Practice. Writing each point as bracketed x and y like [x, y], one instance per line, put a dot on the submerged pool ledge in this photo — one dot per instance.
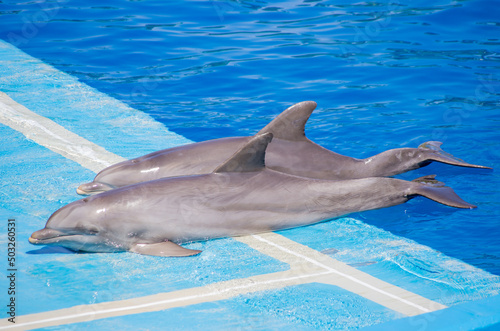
[476, 315]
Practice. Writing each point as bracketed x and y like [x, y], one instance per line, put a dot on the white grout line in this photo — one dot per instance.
[217, 293]
[47, 133]
[342, 274]
[51, 135]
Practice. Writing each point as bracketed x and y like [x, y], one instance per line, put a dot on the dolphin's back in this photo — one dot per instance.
[191, 159]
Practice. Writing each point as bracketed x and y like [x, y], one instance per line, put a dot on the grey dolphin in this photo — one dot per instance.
[240, 197]
[290, 152]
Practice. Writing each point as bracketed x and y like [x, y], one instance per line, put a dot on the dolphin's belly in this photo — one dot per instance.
[210, 224]
[206, 215]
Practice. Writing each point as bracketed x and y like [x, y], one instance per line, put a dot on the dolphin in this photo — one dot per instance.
[240, 197]
[290, 152]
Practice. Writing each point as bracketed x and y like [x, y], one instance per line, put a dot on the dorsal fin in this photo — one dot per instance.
[290, 124]
[250, 157]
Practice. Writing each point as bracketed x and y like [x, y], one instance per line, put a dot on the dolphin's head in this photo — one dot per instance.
[93, 187]
[124, 173]
[76, 227]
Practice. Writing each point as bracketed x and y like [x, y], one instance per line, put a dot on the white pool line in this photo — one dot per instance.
[96, 313]
[423, 309]
[228, 289]
[49, 134]
[91, 156]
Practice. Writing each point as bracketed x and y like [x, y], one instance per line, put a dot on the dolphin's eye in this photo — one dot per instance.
[91, 230]
[85, 200]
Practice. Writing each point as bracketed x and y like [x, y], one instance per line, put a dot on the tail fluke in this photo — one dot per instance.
[435, 190]
[435, 153]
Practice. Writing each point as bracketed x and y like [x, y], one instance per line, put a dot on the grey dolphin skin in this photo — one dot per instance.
[240, 197]
[290, 152]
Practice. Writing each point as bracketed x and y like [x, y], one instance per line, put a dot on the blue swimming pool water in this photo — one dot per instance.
[384, 74]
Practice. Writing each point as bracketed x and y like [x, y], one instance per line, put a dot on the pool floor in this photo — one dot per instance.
[342, 274]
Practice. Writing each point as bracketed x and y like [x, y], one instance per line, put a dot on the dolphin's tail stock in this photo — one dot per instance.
[435, 190]
[435, 153]
[93, 188]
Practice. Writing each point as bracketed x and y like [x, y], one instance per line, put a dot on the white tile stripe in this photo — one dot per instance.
[55, 137]
[242, 289]
[423, 309]
[47, 133]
